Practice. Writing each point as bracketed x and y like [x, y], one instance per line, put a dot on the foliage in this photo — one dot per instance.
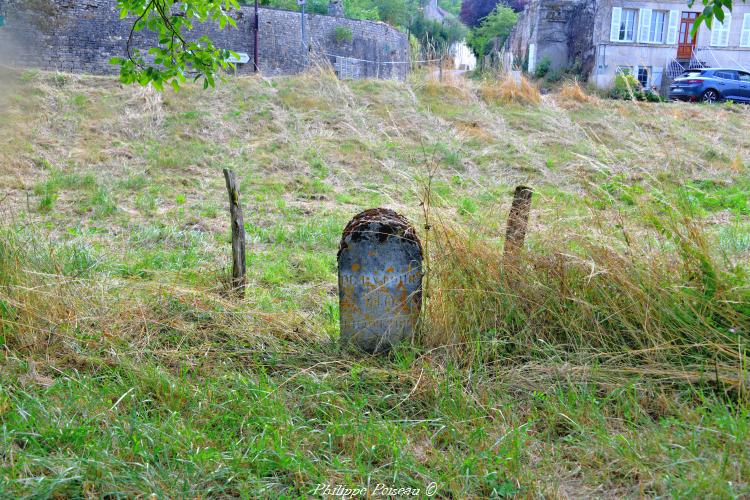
[474, 11]
[711, 9]
[497, 25]
[342, 34]
[451, 6]
[627, 86]
[393, 12]
[542, 67]
[176, 57]
[435, 36]
[311, 6]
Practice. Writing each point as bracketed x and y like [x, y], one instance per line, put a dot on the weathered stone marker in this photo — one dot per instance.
[380, 280]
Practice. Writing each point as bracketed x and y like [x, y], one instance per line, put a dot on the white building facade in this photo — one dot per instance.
[653, 40]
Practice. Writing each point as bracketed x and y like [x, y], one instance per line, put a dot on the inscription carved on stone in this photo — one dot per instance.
[380, 280]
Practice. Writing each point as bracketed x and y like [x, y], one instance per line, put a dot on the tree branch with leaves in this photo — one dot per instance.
[176, 57]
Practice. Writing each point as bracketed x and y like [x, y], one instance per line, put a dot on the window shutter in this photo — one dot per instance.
[745, 36]
[644, 24]
[674, 19]
[715, 32]
[720, 31]
[656, 74]
[614, 32]
[725, 29]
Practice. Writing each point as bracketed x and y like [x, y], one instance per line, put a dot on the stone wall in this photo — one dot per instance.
[558, 30]
[82, 36]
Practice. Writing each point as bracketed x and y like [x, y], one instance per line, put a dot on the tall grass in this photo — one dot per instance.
[661, 297]
[58, 301]
[508, 89]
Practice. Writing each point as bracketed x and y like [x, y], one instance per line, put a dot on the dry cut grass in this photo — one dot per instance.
[509, 89]
[572, 92]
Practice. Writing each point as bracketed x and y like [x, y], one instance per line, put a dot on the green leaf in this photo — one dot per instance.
[719, 13]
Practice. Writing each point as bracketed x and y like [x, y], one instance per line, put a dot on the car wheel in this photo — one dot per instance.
[710, 96]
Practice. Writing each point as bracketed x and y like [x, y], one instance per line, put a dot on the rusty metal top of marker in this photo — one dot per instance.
[391, 222]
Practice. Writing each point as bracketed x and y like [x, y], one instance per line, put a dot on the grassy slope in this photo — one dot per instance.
[127, 369]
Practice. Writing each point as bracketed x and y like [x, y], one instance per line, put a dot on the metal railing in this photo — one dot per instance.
[674, 68]
[709, 55]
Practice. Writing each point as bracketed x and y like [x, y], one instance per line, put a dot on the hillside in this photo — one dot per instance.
[611, 362]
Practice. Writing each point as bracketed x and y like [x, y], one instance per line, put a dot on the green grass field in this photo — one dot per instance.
[611, 361]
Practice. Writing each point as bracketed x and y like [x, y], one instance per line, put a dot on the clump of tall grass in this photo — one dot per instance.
[509, 89]
[572, 92]
[662, 298]
[452, 87]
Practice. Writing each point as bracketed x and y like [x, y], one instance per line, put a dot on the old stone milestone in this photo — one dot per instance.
[380, 280]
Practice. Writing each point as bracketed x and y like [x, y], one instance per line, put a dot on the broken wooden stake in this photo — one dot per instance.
[238, 233]
[518, 221]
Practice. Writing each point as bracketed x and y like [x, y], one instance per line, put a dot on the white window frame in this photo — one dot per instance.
[653, 29]
[623, 69]
[720, 31]
[623, 29]
[745, 35]
[620, 16]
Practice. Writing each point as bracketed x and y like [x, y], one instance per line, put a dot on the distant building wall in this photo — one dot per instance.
[560, 31]
[572, 32]
[653, 59]
[83, 35]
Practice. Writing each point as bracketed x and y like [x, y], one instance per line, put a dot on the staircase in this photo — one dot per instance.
[674, 69]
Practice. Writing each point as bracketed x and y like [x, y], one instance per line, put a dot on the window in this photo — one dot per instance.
[726, 75]
[656, 30]
[625, 70]
[744, 77]
[720, 31]
[643, 75]
[622, 27]
[627, 25]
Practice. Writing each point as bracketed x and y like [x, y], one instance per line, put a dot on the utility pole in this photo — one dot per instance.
[301, 3]
[255, 35]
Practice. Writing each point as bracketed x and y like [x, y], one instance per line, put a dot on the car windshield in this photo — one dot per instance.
[691, 74]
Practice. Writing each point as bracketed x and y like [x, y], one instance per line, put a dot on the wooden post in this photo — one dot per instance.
[238, 233]
[518, 220]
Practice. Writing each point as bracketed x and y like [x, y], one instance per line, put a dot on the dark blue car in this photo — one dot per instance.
[711, 85]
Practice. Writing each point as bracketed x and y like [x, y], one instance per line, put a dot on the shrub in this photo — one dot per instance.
[342, 34]
[554, 76]
[542, 68]
[626, 85]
